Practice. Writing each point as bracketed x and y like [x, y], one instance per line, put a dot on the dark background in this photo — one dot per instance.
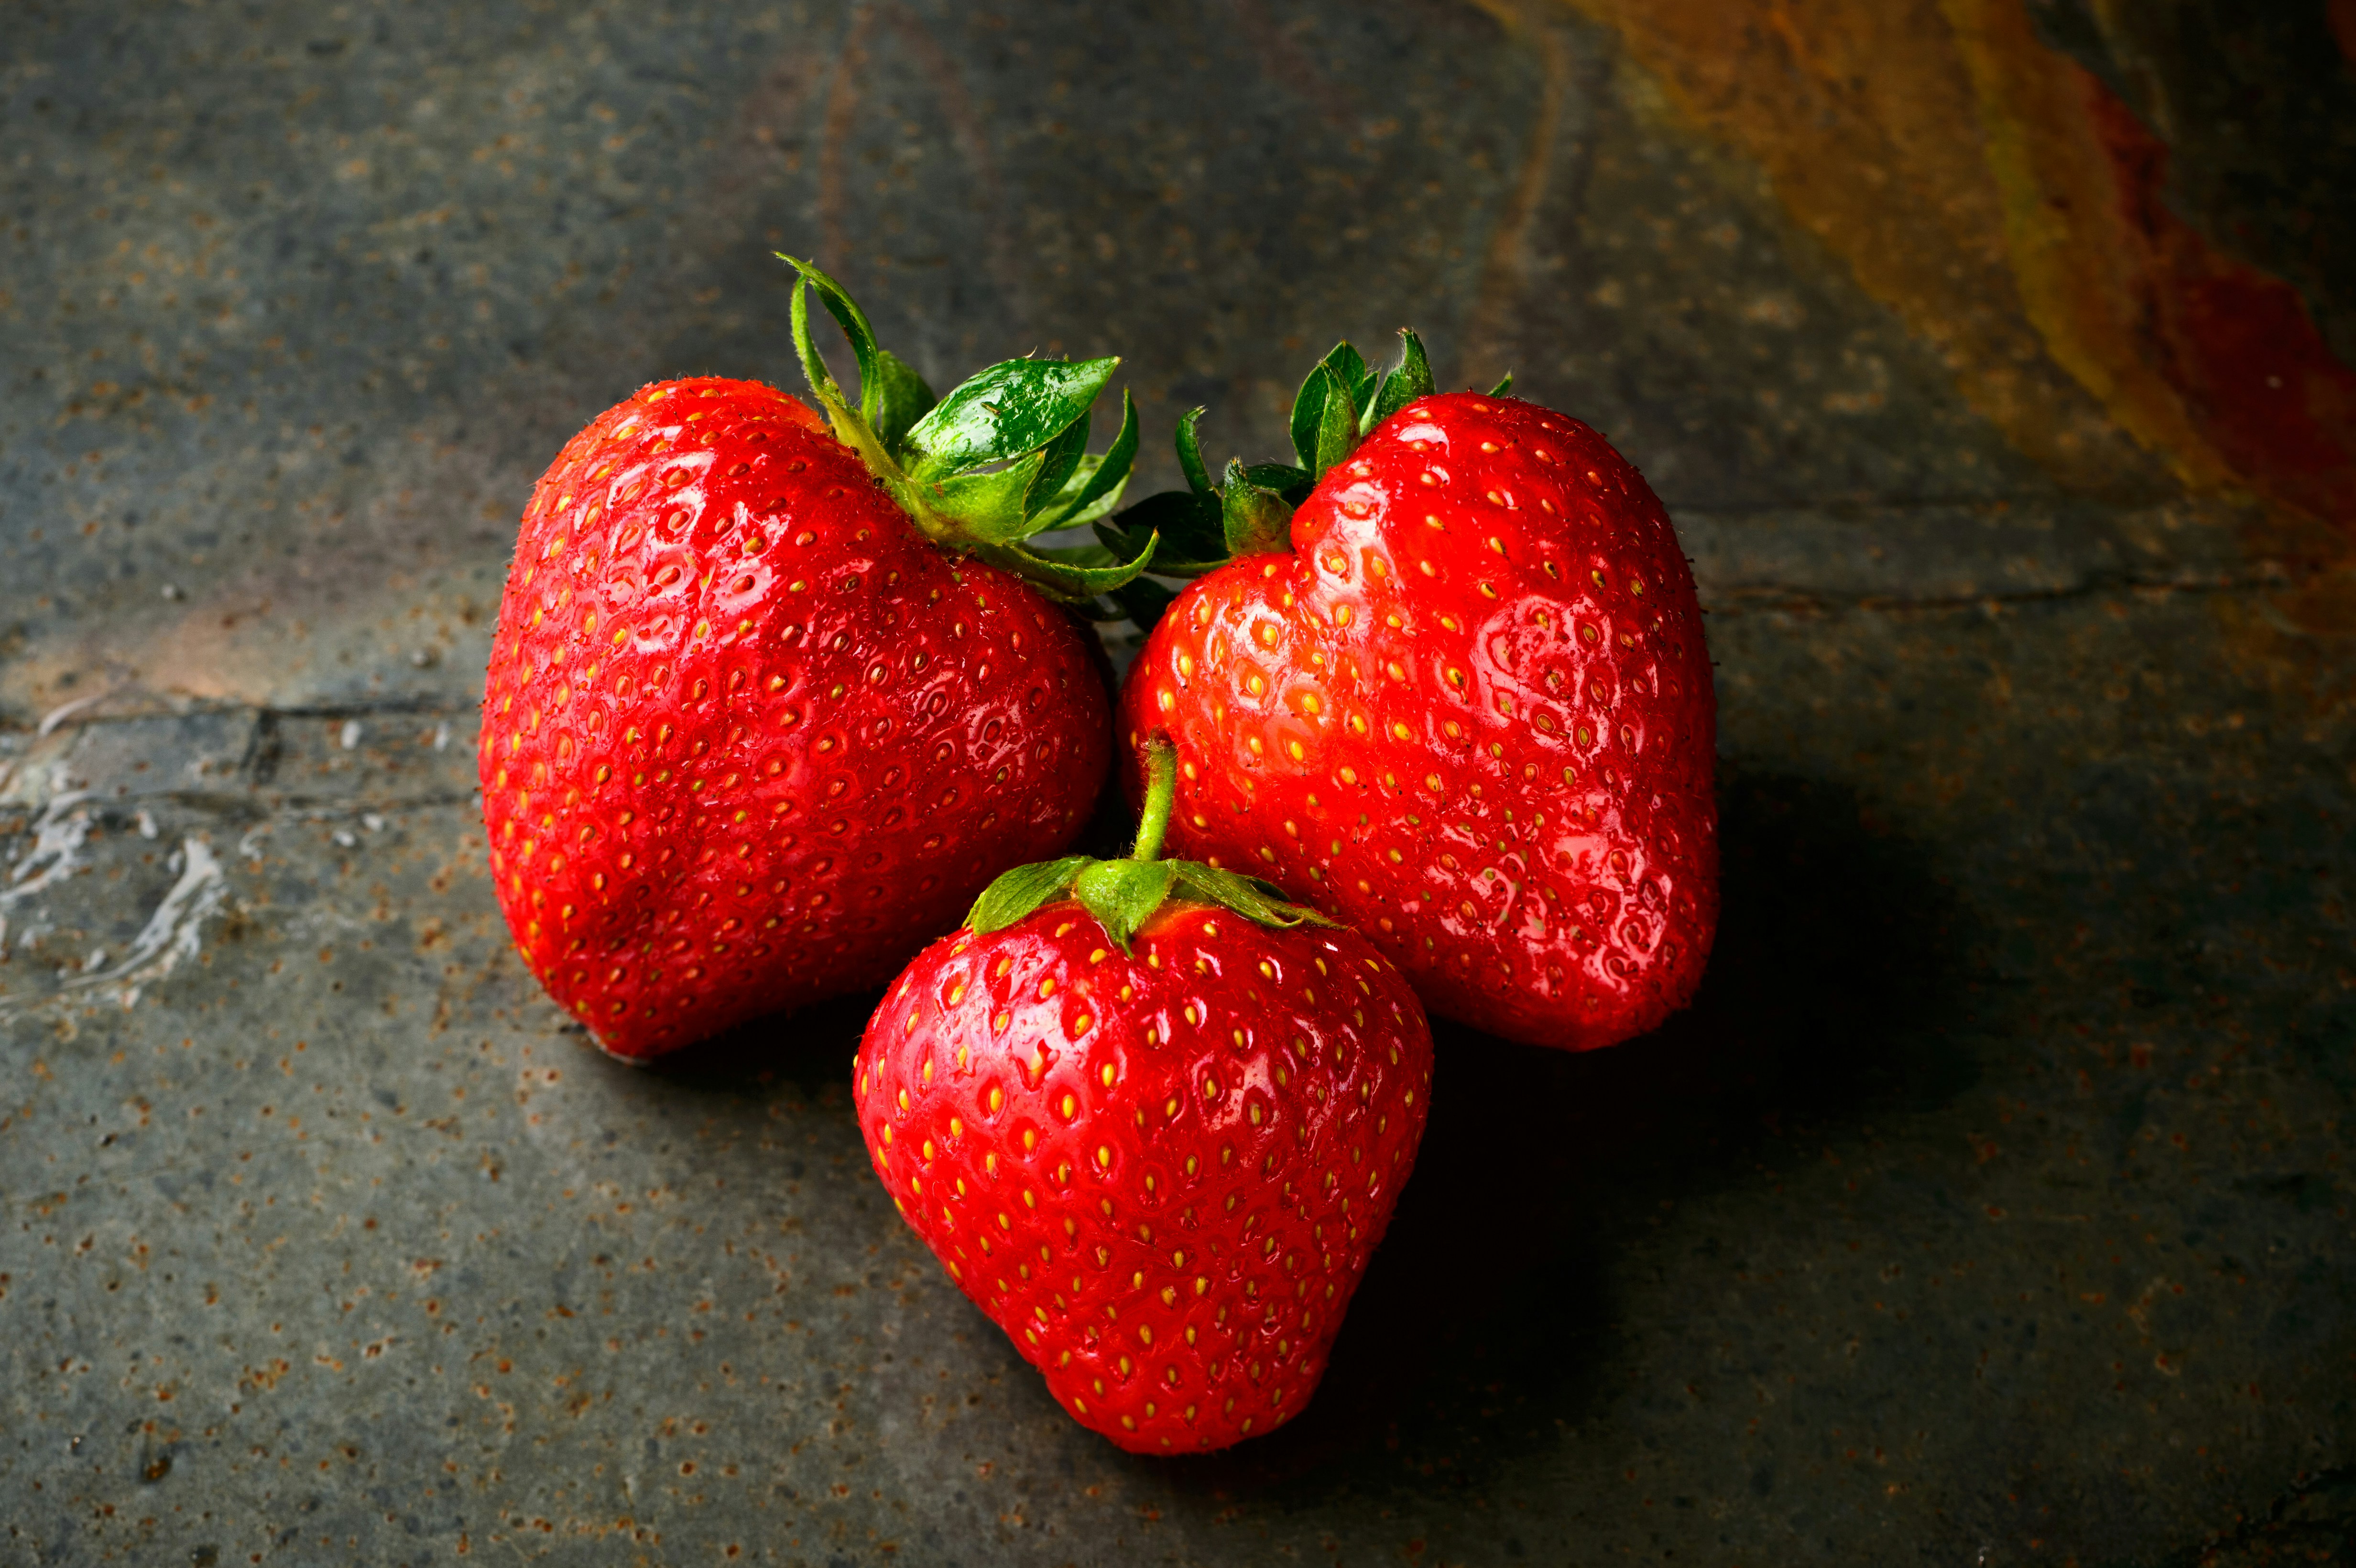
[1990, 1207]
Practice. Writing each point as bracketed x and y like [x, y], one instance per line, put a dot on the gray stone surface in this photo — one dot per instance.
[1991, 1206]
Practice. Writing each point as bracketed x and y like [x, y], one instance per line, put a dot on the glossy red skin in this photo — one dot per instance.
[1231, 1180]
[748, 738]
[1472, 737]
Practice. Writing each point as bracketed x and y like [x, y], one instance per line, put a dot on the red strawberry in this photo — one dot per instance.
[1469, 711]
[1153, 1122]
[749, 735]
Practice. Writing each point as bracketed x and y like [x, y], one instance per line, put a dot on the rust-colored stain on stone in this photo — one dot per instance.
[2340, 16]
[1864, 117]
[1998, 196]
[2201, 355]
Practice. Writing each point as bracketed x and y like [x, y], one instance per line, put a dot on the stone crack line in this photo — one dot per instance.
[1740, 599]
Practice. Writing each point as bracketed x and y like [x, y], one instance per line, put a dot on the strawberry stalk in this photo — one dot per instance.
[1123, 895]
[1002, 457]
[1160, 794]
[1249, 511]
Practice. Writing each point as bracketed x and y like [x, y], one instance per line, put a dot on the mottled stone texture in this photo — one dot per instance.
[1991, 1205]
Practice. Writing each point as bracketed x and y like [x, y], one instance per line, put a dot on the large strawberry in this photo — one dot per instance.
[1458, 698]
[1153, 1122]
[766, 708]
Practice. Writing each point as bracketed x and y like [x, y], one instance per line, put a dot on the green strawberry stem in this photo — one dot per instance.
[1003, 456]
[1122, 894]
[1160, 791]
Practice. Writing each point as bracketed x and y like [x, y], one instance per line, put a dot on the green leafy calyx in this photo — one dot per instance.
[1003, 456]
[1249, 511]
[1122, 894]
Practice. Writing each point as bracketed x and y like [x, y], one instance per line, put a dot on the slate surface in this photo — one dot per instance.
[1991, 1206]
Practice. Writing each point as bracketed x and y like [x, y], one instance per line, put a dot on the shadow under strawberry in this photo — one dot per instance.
[808, 1051]
[1484, 1324]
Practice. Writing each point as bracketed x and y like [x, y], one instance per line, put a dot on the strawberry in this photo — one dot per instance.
[768, 705]
[1153, 1122]
[1458, 698]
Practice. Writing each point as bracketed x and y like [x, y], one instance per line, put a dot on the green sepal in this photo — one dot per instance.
[1083, 555]
[1349, 367]
[988, 506]
[1307, 408]
[1327, 410]
[1501, 388]
[902, 398]
[1145, 602]
[1190, 454]
[814, 368]
[1002, 412]
[1189, 521]
[1321, 387]
[1255, 521]
[1065, 512]
[1059, 460]
[892, 396]
[855, 327]
[1167, 561]
[1071, 575]
[1262, 903]
[1402, 384]
[1121, 894]
[1017, 892]
[1094, 485]
[850, 427]
[1292, 484]
[1192, 543]
[1337, 425]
